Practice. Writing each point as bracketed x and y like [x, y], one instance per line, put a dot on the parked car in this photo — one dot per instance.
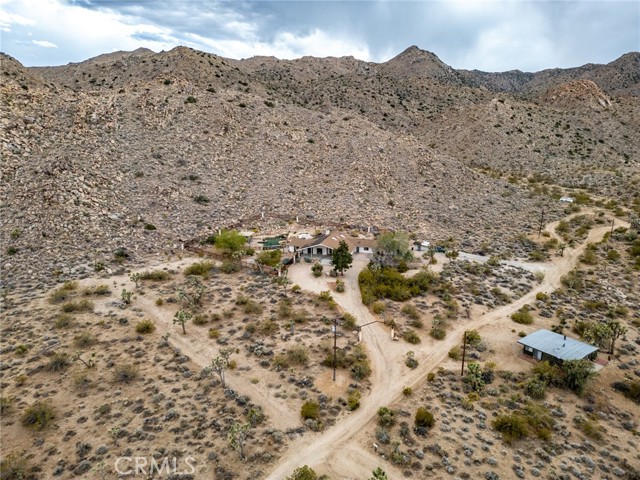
[440, 249]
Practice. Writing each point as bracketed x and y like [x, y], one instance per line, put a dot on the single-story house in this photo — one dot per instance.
[567, 199]
[327, 243]
[555, 348]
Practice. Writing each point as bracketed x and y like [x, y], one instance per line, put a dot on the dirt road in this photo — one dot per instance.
[339, 451]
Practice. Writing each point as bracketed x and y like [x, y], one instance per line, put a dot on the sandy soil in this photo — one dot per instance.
[341, 451]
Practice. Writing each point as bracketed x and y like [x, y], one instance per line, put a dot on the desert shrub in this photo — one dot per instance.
[378, 307]
[298, 355]
[410, 311]
[79, 306]
[310, 409]
[577, 374]
[200, 320]
[512, 426]
[455, 353]
[411, 336]
[21, 349]
[58, 362]
[386, 417]
[84, 339]
[629, 388]
[38, 416]
[214, 333]
[201, 269]
[407, 391]
[438, 332]
[125, 373]
[473, 338]
[353, 399]
[145, 327]
[590, 427]
[411, 361]
[102, 290]
[155, 275]
[252, 308]
[542, 296]
[296, 288]
[303, 473]
[349, 322]
[325, 296]
[300, 316]
[431, 377]
[340, 287]
[535, 388]
[522, 316]
[316, 269]
[230, 266]
[424, 418]
[159, 302]
[63, 293]
[14, 467]
[63, 320]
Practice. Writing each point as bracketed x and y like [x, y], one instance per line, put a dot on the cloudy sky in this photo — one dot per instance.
[529, 35]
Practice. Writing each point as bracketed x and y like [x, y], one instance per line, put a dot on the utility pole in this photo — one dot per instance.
[335, 345]
[464, 351]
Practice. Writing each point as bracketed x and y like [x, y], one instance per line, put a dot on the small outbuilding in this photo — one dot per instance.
[567, 199]
[555, 348]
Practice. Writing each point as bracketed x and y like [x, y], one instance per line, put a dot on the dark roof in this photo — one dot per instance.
[557, 345]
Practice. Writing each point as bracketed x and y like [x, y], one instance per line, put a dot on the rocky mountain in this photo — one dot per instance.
[141, 151]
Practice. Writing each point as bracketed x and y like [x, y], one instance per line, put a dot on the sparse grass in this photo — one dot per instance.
[252, 308]
[84, 339]
[102, 290]
[38, 416]
[410, 311]
[298, 355]
[145, 327]
[58, 362]
[64, 320]
[125, 373]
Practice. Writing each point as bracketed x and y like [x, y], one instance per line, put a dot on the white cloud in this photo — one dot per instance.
[7, 19]
[44, 43]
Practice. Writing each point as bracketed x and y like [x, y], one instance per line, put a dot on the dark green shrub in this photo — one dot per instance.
[512, 426]
[522, 316]
[310, 409]
[424, 418]
[386, 417]
[411, 336]
[230, 266]
[79, 306]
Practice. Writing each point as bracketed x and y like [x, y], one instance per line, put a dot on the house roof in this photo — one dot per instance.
[558, 346]
[332, 240]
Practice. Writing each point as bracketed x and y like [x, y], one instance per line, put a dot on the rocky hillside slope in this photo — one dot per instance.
[141, 151]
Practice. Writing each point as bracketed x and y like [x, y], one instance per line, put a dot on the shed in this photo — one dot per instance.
[555, 348]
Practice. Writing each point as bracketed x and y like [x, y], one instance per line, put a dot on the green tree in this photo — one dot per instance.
[392, 248]
[182, 317]
[230, 241]
[270, 258]
[577, 374]
[342, 258]
[126, 296]
[617, 330]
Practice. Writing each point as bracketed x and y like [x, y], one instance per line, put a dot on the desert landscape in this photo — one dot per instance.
[177, 301]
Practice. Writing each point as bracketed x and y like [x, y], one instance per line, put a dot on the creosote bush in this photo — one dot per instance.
[125, 373]
[424, 418]
[58, 362]
[310, 409]
[201, 269]
[38, 416]
[79, 306]
[145, 327]
[522, 316]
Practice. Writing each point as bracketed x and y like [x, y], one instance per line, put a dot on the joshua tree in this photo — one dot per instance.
[220, 363]
[89, 364]
[182, 317]
[236, 437]
[126, 296]
[561, 247]
[135, 278]
[192, 293]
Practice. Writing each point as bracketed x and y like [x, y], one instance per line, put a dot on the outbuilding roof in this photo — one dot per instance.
[558, 346]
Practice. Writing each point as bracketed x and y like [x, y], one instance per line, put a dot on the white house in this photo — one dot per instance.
[327, 243]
